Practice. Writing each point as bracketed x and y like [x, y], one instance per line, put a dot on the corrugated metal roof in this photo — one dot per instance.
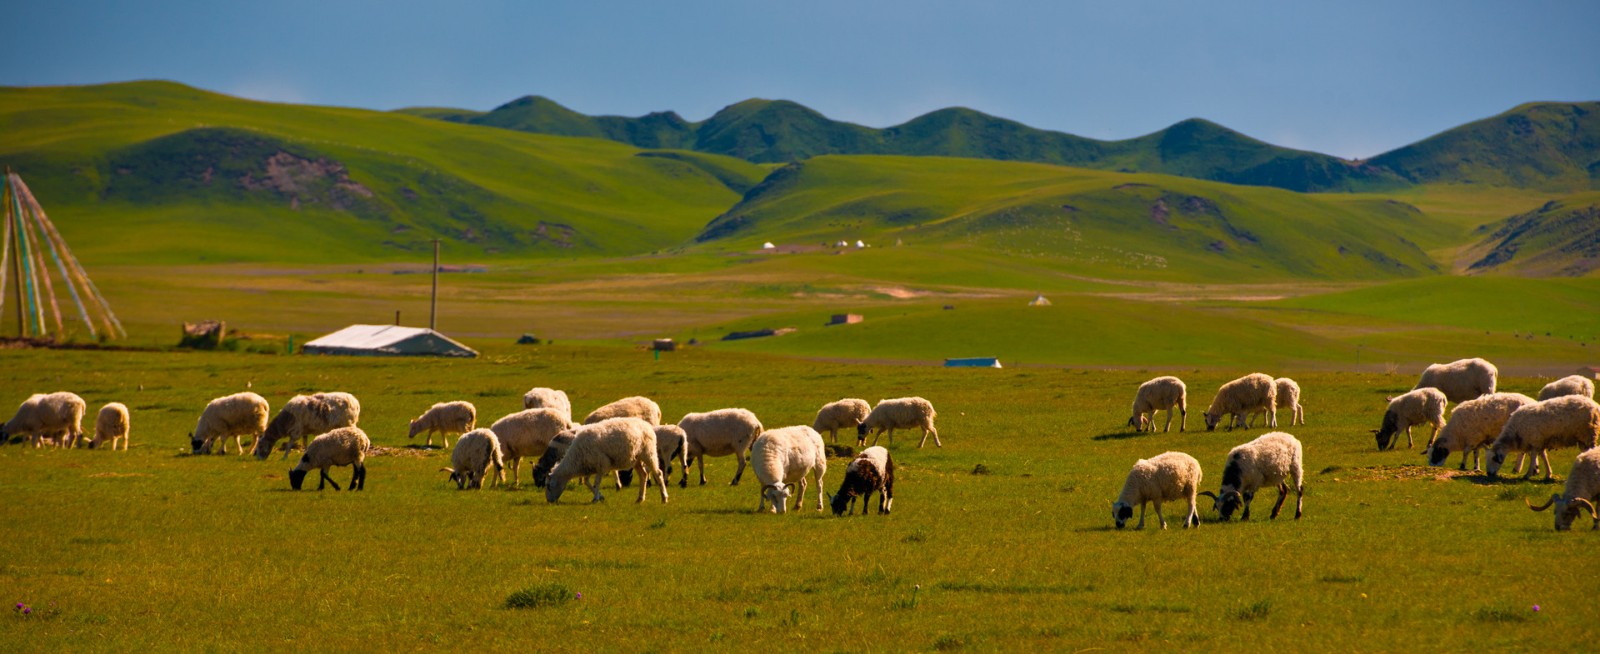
[388, 339]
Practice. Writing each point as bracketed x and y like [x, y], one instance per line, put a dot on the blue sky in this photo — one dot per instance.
[1351, 78]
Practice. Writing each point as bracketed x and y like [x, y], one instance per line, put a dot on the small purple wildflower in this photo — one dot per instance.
[20, 605]
[579, 595]
[1536, 608]
[27, 610]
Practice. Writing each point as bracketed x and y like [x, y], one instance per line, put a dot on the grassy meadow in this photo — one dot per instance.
[1000, 540]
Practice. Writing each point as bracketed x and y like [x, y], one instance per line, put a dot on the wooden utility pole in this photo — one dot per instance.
[433, 302]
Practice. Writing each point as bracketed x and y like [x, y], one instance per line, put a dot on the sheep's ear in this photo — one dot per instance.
[1388, 398]
[449, 470]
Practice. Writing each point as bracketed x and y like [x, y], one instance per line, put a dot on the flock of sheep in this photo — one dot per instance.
[1564, 415]
[623, 439]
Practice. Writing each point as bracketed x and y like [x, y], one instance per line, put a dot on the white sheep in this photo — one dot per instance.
[639, 407]
[1583, 490]
[237, 415]
[1473, 425]
[872, 471]
[1165, 477]
[57, 417]
[345, 446]
[527, 433]
[899, 413]
[782, 458]
[605, 446]
[843, 414]
[1461, 380]
[1160, 394]
[304, 416]
[447, 418]
[548, 398]
[1569, 385]
[1543, 426]
[475, 451]
[1274, 459]
[1288, 391]
[553, 452]
[112, 422]
[1240, 397]
[719, 433]
[672, 446]
[1422, 405]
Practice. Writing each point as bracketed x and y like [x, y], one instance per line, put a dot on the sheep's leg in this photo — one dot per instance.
[1272, 417]
[1283, 494]
[800, 493]
[702, 464]
[643, 475]
[326, 478]
[358, 480]
[1169, 420]
[737, 474]
[593, 482]
[1545, 454]
[1299, 500]
[1141, 516]
[1409, 443]
[1191, 519]
[1159, 515]
[1431, 437]
[661, 476]
[929, 429]
[1247, 498]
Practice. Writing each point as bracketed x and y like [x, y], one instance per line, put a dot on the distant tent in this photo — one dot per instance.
[768, 246]
[861, 244]
[1039, 301]
[388, 340]
[973, 362]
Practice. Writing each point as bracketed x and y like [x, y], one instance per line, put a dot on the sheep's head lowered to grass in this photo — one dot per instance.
[1212, 419]
[1121, 513]
[464, 479]
[778, 494]
[1566, 511]
[1388, 431]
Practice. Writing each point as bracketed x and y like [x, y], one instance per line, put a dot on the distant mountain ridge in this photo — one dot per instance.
[1538, 145]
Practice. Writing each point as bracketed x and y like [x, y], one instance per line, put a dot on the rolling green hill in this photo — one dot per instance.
[1091, 222]
[1561, 238]
[161, 172]
[1546, 145]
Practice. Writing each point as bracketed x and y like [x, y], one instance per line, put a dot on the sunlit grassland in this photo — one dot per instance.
[154, 548]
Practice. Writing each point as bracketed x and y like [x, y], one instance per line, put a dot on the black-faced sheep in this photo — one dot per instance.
[345, 446]
[1460, 380]
[1423, 405]
[1570, 385]
[639, 407]
[527, 433]
[237, 415]
[872, 471]
[1238, 398]
[1166, 477]
[605, 446]
[57, 417]
[782, 459]
[475, 452]
[553, 452]
[1473, 425]
[446, 418]
[843, 414]
[719, 433]
[1566, 421]
[1160, 394]
[111, 423]
[1274, 459]
[304, 416]
[1583, 490]
[899, 413]
[548, 398]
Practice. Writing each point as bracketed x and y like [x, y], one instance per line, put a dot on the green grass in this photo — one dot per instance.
[164, 550]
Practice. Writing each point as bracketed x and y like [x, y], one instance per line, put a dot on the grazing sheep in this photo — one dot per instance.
[112, 423]
[871, 471]
[782, 458]
[1289, 398]
[1160, 394]
[639, 407]
[237, 415]
[672, 446]
[605, 446]
[844, 414]
[446, 418]
[1543, 426]
[719, 433]
[1274, 459]
[548, 398]
[45, 416]
[899, 413]
[1238, 398]
[1423, 405]
[306, 415]
[1165, 477]
[475, 451]
[1570, 385]
[1461, 380]
[1583, 490]
[1473, 425]
[345, 446]
[527, 433]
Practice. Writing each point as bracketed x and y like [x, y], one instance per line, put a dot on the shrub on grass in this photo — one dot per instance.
[540, 596]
